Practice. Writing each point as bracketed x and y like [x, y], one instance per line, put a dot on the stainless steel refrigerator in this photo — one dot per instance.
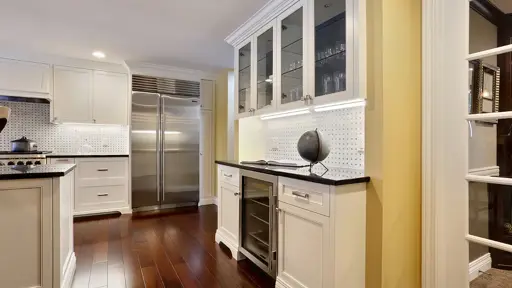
[165, 145]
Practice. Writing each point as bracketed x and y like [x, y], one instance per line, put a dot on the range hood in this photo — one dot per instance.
[9, 98]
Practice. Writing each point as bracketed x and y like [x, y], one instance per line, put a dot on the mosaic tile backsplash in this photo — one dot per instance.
[344, 129]
[33, 121]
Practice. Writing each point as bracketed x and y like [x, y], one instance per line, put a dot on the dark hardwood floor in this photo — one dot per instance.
[177, 249]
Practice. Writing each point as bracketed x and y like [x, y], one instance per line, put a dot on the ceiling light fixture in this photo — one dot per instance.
[98, 54]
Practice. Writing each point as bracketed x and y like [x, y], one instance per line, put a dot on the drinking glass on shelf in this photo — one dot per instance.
[292, 66]
[337, 81]
[320, 55]
[327, 83]
[299, 63]
[328, 52]
[299, 92]
[293, 95]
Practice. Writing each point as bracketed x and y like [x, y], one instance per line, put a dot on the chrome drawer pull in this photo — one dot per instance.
[301, 195]
[103, 194]
[62, 160]
[103, 170]
[228, 175]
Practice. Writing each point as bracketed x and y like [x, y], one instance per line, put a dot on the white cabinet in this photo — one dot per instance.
[37, 232]
[304, 249]
[72, 95]
[25, 79]
[89, 96]
[207, 94]
[101, 185]
[206, 158]
[110, 98]
[228, 202]
[302, 54]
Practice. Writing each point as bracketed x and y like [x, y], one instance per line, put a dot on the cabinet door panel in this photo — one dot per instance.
[207, 94]
[24, 76]
[295, 250]
[243, 72]
[229, 210]
[291, 57]
[110, 98]
[72, 95]
[265, 68]
[206, 161]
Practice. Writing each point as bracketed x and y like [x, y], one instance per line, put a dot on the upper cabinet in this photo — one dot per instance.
[90, 96]
[207, 94]
[309, 54]
[72, 95]
[25, 79]
[110, 98]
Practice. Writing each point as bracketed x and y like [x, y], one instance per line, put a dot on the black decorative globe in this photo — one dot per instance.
[313, 147]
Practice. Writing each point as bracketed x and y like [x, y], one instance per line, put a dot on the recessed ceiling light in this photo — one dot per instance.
[98, 54]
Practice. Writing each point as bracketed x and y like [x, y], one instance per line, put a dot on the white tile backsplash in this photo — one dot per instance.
[33, 121]
[344, 129]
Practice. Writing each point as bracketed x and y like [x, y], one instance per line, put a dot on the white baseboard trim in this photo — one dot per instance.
[281, 284]
[207, 201]
[69, 273]
[481, 264]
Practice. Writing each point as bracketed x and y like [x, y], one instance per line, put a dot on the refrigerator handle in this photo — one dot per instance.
[158, 151]
[162, 131]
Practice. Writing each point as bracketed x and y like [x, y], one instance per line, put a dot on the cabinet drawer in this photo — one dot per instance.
[100, 197]
[310, 196]
[101, 169]
[229, 175]
[62, 160]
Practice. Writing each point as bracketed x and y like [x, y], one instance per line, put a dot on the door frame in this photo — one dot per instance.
[445, 256]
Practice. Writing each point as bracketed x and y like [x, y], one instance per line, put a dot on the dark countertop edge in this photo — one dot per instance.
[86, 156]
[37, 175]
[331, 182]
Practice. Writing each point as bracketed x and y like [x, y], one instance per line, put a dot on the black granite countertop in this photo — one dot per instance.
[333, 176]
[58, 155]
[38, 171]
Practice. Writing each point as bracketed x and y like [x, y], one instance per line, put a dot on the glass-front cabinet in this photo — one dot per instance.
[291, 57]
[306, 56]
[265, 69]
[243, 69]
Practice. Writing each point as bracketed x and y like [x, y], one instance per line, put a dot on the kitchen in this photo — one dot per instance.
[156, 143]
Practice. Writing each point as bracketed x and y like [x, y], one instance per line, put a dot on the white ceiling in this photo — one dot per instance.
[503, 5]
[181, 33]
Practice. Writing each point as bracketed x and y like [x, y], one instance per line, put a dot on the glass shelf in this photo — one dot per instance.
[294, 73]
[294, 47]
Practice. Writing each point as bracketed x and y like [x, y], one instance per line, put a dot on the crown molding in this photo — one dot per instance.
[266, 14]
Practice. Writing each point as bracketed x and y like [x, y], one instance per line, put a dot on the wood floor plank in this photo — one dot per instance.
[99, 275]
[151, 278]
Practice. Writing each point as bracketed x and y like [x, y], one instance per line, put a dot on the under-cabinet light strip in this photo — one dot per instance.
[340, 105]
[153, 132]
[285, 114]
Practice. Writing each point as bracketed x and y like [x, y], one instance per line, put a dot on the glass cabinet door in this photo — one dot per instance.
[291, 54]
[256, 218]
[330, 61]
[265, 68]
[244, 78]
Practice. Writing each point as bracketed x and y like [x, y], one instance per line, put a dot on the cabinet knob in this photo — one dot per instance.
[94, 120]
[278, 209]
[236, 194]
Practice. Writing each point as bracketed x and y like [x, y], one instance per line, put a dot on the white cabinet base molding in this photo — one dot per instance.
[207, 201]
[233, 247]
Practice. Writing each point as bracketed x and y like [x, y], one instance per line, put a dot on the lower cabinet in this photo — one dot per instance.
[304, 254]
[228, 202]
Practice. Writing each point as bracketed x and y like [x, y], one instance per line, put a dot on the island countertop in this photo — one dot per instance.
[333, 176]
[38, 171]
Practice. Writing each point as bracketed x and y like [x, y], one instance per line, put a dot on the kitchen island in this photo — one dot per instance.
[36, 220]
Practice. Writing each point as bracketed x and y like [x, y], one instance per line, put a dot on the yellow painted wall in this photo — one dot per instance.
[221, 119]
[393, 144]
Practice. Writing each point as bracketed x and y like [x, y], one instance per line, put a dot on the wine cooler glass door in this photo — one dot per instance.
[257, 206]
